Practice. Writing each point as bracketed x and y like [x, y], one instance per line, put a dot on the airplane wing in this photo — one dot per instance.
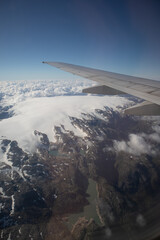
[114, 83]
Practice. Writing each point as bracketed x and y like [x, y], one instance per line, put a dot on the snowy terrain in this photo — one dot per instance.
[53, 138]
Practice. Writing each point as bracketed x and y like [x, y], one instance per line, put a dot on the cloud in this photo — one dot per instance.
[154, 137]
[141, 220]
[139, 144]
[108, 232]
[17, 91]
[136, 145]
[41, 105]
[43, 114]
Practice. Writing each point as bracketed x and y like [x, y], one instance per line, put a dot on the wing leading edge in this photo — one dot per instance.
[114, 83]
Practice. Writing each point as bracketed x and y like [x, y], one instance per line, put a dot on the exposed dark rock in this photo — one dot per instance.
[38, 191]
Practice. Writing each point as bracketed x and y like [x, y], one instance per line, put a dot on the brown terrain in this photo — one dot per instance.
[41, 190]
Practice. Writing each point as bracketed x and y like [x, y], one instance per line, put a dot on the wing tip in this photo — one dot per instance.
[51, 63]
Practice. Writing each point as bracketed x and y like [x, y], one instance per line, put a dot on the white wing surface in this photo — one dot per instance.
[114, 83]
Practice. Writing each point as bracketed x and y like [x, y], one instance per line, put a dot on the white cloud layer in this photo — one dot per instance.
[45, 104]
[13, 92]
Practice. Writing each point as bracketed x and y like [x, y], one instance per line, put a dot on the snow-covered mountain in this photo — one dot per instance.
[29, 106]
[53, 139]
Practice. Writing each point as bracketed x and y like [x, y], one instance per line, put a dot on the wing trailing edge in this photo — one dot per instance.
[102, 89]
[115, 83]
[144, 109]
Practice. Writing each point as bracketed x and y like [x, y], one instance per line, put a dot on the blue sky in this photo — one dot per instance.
[119, 36]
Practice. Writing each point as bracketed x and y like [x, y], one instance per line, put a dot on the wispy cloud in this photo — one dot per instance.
[141, 220]
[139, 144]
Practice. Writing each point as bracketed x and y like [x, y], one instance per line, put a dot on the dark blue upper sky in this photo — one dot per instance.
[116, 35]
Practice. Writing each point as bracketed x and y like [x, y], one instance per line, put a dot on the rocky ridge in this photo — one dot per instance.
[38, 191]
